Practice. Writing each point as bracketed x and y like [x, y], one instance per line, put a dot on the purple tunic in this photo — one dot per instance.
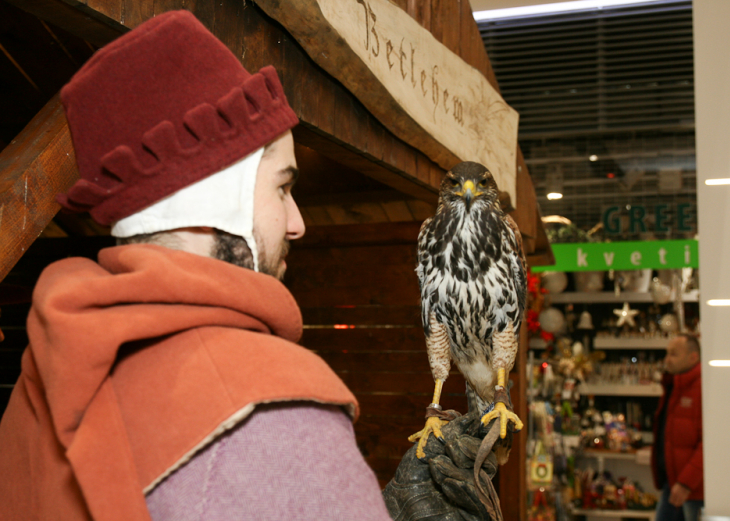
[287, 461]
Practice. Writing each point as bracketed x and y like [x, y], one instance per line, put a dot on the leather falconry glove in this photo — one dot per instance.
[441, 486]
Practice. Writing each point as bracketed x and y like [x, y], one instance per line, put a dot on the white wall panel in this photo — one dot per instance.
[712, 120]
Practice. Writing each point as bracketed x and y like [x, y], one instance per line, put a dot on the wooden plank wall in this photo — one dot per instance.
[357, 287]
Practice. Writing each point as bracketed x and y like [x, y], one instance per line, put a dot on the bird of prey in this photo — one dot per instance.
[471, 271]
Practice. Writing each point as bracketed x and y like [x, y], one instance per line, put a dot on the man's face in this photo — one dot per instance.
[679, 357]
[277, 219]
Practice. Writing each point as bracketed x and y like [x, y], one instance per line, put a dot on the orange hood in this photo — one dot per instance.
[137, 362]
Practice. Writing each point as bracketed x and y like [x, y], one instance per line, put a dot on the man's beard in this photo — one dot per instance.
[234, 249]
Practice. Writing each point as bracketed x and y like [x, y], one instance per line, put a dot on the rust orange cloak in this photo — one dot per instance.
[136, 363]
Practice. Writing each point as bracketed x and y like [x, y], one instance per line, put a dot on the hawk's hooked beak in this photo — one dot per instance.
[468, 193]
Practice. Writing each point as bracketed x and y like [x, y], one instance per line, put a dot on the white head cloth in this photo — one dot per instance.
[223, 200]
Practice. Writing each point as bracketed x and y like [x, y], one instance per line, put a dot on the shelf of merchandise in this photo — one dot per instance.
[652, 389]
[609, 297]
[610, 342]
[641, 514]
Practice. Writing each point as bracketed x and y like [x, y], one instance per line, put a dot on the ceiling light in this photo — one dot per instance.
[554, 182]
[719, 302]
[593, 157]
[720, 363]
[558, 219]
[546, 9]
[714, 182]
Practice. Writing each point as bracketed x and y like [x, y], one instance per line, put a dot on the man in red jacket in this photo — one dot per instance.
[677, 454]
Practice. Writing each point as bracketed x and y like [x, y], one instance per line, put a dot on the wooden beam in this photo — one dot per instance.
[34, 167]
[314, 138]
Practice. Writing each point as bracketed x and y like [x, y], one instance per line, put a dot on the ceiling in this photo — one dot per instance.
[483, 5]
[606, 103]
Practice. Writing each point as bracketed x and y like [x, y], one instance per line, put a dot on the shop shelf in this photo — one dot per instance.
[652, 389]
[610, 454]
[641, 456]
[609, 342]
[609, 297]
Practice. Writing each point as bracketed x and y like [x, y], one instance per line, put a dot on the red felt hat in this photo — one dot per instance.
[160, 108]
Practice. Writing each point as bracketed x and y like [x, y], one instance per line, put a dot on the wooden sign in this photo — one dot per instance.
[419, 89]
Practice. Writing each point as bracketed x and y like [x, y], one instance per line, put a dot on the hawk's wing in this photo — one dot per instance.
[422, 270]
[519, 265]
[437, 338]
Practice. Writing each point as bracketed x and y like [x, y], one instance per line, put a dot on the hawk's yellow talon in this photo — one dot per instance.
[504, 416]
[433, 425]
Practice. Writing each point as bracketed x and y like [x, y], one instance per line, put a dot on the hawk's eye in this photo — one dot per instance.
[483, 183]
[454, 182]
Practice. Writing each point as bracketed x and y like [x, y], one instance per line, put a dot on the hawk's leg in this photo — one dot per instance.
[439, 358]
[433, 423]
[505, 344]
[500, 409]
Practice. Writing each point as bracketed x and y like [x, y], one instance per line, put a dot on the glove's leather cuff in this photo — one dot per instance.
[501, 395]
[442, 415]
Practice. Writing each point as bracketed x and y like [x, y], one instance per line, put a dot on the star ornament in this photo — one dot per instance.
[626, 315]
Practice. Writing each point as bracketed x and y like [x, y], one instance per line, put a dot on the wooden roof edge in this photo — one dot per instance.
[37, 165]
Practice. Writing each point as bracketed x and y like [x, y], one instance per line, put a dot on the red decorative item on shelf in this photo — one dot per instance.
[533, 283]
[540, 510]
[535, 302]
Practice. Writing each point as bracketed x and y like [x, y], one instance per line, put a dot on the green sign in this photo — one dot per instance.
[630, 255]
[635, 218]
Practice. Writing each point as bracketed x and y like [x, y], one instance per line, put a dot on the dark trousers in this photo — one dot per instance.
[689, 511]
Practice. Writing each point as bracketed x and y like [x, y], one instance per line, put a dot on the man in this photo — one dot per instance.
[162, 383]
[677, 451]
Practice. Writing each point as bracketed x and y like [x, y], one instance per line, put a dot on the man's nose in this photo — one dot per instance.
[295, 227]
